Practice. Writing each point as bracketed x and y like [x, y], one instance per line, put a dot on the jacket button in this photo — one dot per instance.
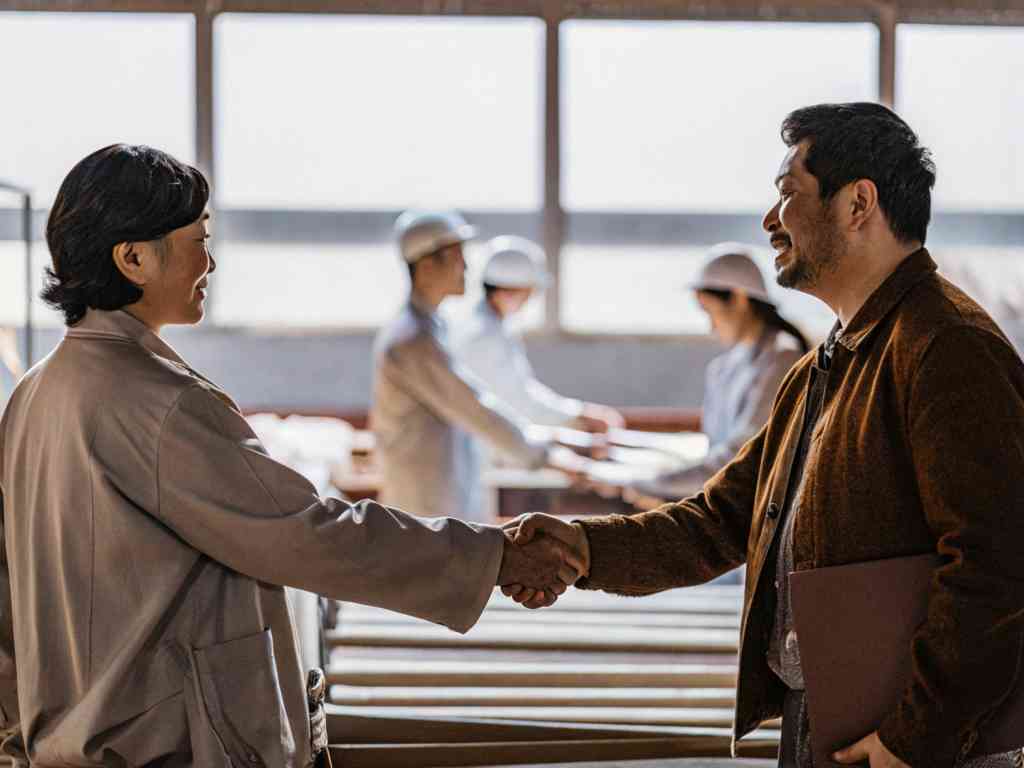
[773, 510]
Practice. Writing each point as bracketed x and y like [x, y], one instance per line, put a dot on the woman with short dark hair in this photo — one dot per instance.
[147, 533]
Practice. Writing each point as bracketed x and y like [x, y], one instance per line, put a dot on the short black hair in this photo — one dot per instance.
[863, 140]
[118, 194]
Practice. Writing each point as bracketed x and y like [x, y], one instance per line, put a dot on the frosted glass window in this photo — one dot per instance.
[959, 88]
[374, 112]
[75, 82]
[307, 285]
[12, 286]
[645, 290]
[685, 115]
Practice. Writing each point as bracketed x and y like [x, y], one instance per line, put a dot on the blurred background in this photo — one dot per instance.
[626, 137]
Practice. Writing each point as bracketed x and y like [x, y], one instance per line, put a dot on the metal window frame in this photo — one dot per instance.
[555, 225]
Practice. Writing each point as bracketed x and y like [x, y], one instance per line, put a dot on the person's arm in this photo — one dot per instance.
[966, 424]
[220, 492]
[429, 373]
[756, 410]
[676, 545]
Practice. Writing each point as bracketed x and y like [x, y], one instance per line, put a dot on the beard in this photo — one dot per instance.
[820, 254]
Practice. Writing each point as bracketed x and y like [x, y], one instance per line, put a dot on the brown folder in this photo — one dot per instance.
[855, 624]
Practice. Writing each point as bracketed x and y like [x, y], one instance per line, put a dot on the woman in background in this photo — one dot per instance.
[741, 383]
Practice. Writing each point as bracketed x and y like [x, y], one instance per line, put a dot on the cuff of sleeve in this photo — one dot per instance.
[610, 552]
[484, 546]
[915, 743]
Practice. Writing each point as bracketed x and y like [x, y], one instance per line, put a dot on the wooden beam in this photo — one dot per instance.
[344, 695]
[346, 725]
[540, 638]
[492, 674]
[697, 717]
[502, 753]
[352, 613]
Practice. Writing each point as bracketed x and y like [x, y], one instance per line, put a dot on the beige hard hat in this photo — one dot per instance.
[514, 262]
[421, 233]
[732, 267]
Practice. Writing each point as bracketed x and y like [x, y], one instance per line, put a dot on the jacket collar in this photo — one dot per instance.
[119, 324]
[911, 271]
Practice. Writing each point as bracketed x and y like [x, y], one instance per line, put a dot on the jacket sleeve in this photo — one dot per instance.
[8, 668]
[682, 544]
[966, 423]
[432, 377]
[754, 414]
[220, 492]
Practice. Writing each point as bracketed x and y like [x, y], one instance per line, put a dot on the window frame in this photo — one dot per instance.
[997, 228]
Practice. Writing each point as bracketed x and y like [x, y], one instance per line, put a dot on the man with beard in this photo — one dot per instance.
[902, 434]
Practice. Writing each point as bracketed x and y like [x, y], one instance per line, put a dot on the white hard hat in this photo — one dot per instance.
[514, 262]
[732, 267]
[421, 233]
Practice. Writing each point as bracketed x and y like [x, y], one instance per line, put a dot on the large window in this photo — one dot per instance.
[671, 142]
[958, 88]
[75, 82]
[328, 127]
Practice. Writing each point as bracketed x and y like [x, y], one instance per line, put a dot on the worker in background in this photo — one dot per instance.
[741, 383]
[485, 343]
[426, 410]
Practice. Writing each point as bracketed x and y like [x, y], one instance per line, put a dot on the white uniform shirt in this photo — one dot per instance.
[426, 412]
[739, 391]
[496, 355]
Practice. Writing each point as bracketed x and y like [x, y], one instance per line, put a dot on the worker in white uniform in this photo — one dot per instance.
[427, 412]
[741, 383]
[486, 343]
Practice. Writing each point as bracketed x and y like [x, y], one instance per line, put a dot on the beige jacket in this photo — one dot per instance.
[146, 538]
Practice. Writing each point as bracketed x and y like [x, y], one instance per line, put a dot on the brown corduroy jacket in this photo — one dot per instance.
[919, 448]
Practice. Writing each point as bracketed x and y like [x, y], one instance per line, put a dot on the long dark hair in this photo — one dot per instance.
[766, 313]
[118, 194]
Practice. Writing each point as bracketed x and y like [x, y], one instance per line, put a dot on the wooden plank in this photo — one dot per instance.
[352, 726]
[543, 752]
[366, 615]
[707, 717]
[728, 600]
[410, 672]
[548, 638]
[522, 697]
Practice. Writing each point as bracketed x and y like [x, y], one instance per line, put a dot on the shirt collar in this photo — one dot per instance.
[911, 271]
[119, 324]
[429, 314]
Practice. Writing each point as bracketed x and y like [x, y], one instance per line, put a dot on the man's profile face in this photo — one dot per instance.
[448, 270]
[802, 227]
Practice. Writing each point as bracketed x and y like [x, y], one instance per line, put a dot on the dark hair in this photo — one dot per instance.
[766, 313]
[118, 194]
[862, 140]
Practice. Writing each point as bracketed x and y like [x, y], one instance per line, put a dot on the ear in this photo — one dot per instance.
[131, 260]
[863, 202]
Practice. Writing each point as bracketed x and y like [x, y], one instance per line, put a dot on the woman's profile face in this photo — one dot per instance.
[728, 317]
[176, 293]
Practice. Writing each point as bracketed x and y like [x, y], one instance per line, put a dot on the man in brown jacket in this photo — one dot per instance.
[146, 534]
[903, 434]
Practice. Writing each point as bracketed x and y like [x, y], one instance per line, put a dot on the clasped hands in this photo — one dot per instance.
[543, 556]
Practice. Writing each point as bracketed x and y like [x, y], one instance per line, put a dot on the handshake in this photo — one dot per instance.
[543, 556]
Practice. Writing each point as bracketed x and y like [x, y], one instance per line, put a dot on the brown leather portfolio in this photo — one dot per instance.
[855, 624]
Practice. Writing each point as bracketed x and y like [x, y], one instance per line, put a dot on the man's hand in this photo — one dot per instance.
[536, 528]
[872, 749]
[599, 418]
[569, 462]
[535, 572]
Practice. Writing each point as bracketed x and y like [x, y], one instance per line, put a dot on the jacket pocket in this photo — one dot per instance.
[237, 714]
